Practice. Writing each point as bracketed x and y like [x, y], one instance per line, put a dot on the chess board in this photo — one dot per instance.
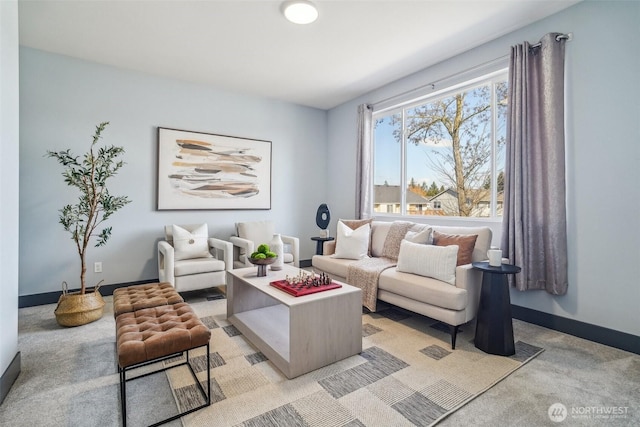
[299, 289]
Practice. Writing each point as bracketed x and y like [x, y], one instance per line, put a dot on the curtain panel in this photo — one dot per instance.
[364, 162]
[534, 227]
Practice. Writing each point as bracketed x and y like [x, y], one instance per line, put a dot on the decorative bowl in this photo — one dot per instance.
[262, 264]
[262, 261]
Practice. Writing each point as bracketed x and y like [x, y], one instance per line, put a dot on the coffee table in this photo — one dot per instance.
[297, 334]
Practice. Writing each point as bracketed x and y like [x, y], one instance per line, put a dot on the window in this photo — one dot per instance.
[446, 151]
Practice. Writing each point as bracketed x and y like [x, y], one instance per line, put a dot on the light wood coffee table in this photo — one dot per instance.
[298, 334]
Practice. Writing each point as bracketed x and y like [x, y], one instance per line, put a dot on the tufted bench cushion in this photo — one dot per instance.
[156, 332]
[137, 297]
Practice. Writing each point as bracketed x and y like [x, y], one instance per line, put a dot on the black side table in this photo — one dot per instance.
[319, 242]
[494, 326]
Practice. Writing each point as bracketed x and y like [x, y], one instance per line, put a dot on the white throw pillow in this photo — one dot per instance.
[352, 244]
[191, 244]
[438, 262]
[420, 234]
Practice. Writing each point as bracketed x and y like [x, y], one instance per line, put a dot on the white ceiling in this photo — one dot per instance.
[247, 46]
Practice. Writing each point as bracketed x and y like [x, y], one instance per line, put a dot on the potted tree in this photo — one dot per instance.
[94, 206]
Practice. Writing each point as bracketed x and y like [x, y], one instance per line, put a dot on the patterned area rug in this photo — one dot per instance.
[406, 375]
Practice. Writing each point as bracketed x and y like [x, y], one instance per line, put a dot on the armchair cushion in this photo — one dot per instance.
[256, 231]
[251, 234]
[191, 244]
[438, 262]
[198, 266]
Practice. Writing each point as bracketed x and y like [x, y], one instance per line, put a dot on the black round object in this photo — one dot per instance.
[323, 216]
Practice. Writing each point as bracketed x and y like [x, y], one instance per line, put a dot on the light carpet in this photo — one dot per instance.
[406, 375]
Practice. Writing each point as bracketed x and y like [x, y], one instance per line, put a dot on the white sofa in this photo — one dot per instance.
[451, 304]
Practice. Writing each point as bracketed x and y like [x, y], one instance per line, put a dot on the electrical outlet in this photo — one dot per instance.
[97, 267]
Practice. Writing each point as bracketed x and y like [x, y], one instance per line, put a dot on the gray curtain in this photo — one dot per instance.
[534, 227]
[364, 168]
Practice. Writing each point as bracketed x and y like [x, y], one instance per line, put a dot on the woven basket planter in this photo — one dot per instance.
[75, 309]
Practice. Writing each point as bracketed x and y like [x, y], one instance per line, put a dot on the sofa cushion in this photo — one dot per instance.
[379, 232]
[191, 244]
[333, 266]
[465, 243]
[350, 243]
[438, 262]
[425, 289]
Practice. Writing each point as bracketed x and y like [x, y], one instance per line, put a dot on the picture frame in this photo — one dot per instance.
[199, 170]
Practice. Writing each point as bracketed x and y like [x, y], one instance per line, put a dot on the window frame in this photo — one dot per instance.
[487, 78]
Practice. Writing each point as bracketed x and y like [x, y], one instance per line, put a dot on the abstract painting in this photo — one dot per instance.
[208, 171]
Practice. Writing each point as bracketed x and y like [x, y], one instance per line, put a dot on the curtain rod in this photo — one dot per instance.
[432, 85]
[567, 37]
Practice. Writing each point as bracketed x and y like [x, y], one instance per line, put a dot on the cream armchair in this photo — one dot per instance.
[251, 234]
[189, 259]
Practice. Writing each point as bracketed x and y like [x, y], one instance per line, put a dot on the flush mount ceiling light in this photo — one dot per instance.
[300, 11]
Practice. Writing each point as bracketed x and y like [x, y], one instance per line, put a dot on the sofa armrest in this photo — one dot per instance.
[166, 262]
[329, 247]
[470, 279]
[294, 242]
[227, 251]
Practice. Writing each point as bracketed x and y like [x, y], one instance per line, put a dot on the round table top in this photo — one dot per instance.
[323, 239]
[502, 269]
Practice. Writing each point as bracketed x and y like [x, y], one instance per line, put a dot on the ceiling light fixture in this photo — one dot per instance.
[300, 11]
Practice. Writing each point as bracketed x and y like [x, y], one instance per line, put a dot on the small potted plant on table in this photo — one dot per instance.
[95, 205]
[262, 258]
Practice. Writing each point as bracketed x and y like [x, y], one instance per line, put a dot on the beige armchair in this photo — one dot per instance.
[189, 259]
[251, 234]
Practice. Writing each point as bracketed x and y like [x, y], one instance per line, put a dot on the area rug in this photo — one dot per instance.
[406, 375]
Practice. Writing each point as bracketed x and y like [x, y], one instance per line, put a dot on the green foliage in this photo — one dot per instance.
[95, 204]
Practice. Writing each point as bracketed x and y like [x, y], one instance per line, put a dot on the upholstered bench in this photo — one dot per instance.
[136, 297]
[154, 334]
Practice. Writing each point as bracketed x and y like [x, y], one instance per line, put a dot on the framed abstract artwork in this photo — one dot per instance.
[208, 171]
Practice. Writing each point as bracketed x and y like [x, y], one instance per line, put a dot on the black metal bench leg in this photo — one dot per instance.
[123, 395]
[205, 395]
[208, 376]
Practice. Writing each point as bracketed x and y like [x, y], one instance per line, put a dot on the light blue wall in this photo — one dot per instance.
[63, 99]
[9, 130]
[603, 157]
